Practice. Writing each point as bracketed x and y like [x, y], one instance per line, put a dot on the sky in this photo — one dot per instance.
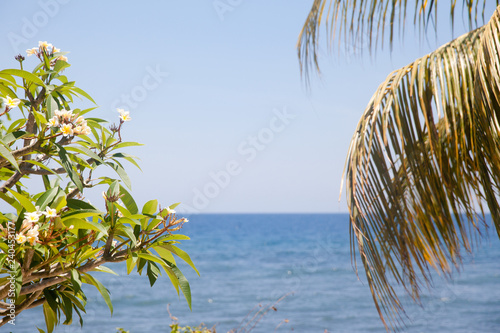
[216, 96]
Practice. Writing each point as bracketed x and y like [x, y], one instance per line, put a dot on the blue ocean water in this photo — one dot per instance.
[251, 260]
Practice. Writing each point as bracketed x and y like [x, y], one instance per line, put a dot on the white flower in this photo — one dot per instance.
[20, 239]
[10, 102]
[32, 217]
[55, 49]
[32, 239]
[85, 130]
[33, 232]
[54, 121]
[67, 129]
[124, 115]
[50, 212]
[80, 121]
[44, 45]
[170, 211]
[81, 129]
[65, 115]
[63, 58]
[184, 220]
[32, 51]
[26, 224]
[32, 235]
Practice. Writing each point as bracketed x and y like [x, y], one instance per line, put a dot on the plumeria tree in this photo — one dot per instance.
[52, 240]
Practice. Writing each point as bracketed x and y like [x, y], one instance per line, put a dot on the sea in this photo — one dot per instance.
[283, 273]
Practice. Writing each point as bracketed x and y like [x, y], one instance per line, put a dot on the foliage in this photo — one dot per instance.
[424, 162]
[188, 329]
[54, 239]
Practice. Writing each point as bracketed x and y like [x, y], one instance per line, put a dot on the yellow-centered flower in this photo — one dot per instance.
[67, 129]
[20, 239]
[33, 232]
[32, 239]
[124, 115]
[32, 217]
[44, 45]
[50, 212]
[54, 121]
[32, 51]
[10, 102]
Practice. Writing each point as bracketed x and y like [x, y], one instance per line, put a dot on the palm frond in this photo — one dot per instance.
[423, 164]
[355, 21]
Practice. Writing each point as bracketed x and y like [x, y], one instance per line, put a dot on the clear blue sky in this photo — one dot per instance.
[211, 91]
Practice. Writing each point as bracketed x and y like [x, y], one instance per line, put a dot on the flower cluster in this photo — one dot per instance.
[29, 228]
[69, 123]
[49, 49]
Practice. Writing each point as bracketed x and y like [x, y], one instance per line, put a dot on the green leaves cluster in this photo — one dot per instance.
[54, 239]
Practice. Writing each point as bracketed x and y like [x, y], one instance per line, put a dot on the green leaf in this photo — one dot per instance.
[150, 207]
[84, 224]
[184, 285]
[131, 261]
[121, 172]
[79, 204]
[125, 219]
[85, 151]
[25, 75]
[13, 136]
[104, 292]
[128, 201]
[18, 277]
[11, 201]
[6, 91]
[153, 272]
[75, 281]
[83, 93]
[42, 166]
[164, 253]
[76, 301]
[50, 317]
[25, 202]
[181, 254]
[105, 269]
[52, 106]
[151, 257]
[68, 166]
[5, 153]
[127, 231]
[67, 307]
[127, 144]
[47, 197]
[16, 125]
[81, 213]
[60, 65]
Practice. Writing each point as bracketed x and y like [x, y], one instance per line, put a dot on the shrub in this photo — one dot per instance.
[54, 239]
